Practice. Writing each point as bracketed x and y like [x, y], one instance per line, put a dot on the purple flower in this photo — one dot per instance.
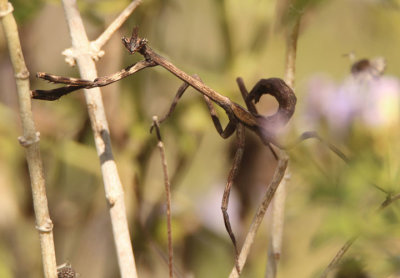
[372, 102]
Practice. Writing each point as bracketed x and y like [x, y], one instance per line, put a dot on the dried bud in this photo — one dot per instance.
[66, 271]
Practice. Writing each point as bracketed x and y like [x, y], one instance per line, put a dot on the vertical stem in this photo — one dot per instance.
[290, 68]
[278, 209]
[276, 228]
[112, 184]
[167, 185]
[30, 140]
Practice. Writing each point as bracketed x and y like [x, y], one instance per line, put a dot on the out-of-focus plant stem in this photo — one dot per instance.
[342, 251]
[112, 184]
[267, 198]
[30, 140]
[278, 208]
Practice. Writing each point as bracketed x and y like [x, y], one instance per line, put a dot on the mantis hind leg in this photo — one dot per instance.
[240, 131]
[224, 132]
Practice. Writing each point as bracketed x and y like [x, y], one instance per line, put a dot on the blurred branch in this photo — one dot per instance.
[115, 25]
[339, 255]
[390, 199]
[167, 184]
[276, 228]
[269, 194]
[30, 140]
[94, 47]
[292, 39]
[278, 208]
[112, 183]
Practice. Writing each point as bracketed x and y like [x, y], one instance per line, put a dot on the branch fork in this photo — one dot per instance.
[7, 11]
[71, 54]
[94, 47]
[26, 142]
[47, 227]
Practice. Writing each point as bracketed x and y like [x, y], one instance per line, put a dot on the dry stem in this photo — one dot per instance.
[278, 209]
[115, 25]
[112, 183]
[167, 184]
[272, 187]
[339, 255]
[30, 140]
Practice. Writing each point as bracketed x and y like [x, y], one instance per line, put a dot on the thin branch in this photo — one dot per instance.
[390, 199]
[167, 184]
[115, 25]
[339, 255]
[112, 184]
[30, 140]
[278, 209]
[276, 228]
[272, 187]
[290, 68]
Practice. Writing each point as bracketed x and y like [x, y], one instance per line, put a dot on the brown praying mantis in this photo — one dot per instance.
[240, 118]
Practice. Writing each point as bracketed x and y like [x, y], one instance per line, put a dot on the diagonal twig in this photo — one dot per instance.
[115, 25]
[390, 199]
[272, 187]
[339, 255]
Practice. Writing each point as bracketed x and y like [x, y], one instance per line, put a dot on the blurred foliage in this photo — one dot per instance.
[26, 10]
[329, 201]
[351, 268]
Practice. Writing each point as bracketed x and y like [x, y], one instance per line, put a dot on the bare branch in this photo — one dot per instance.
[115, 25]
[272, 187]
[30, 140]
[167, 184]
[291, 52]
[339, 255]
[276, 227]
[278, 209]
[314, 135]
[112, 184]
[390, 199]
